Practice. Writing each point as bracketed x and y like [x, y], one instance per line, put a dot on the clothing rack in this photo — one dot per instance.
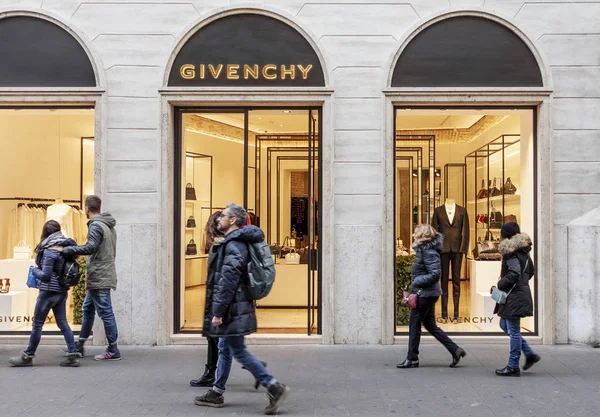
[32, 199]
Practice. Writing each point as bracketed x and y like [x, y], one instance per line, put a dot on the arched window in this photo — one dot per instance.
[467, 51]
[37, 53]
[250, 50]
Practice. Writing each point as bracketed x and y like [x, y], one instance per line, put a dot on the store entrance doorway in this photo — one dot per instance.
[268, 160]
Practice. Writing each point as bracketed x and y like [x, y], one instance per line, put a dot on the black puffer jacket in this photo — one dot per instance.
[515, 253]
[50, 262]
[426, 267]
[227, 269]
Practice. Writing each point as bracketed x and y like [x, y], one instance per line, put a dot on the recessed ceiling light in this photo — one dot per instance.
[286, 111]
[260, 118]
[281, 125]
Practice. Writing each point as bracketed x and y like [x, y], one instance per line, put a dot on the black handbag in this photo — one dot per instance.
[509, 187]
[190, 192]
[191, 248]
[494, 191]
[496, 219]
[483, 193]
[191, 222]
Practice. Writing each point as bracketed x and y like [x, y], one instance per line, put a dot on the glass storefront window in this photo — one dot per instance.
[46, 163]
[482, 165]
[266, 160]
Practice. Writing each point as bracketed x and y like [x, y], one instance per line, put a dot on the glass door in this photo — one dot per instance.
[313, 222]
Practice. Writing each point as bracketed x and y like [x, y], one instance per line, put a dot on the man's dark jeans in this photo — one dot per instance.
[100, 301]
[57, 302]
[425, 314]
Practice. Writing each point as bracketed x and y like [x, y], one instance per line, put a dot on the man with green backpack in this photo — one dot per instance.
[240, 271]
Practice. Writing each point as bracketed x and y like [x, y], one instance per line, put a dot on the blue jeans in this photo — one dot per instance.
[233, 346]
[57, 302]
[99, 300]
[512, 327]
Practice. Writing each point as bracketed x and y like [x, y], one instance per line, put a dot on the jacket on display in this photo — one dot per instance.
[100, 249]
[427, 267]
[225, 297]
[456, 234]
[515, 253]
[50, 262]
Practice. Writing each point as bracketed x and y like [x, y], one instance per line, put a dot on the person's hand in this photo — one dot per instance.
[492, 288]
[217, 321]
[57, 248]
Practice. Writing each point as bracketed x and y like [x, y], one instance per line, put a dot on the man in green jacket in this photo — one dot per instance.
[100, 250]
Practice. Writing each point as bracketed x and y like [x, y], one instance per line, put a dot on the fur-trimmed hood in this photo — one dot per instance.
[520, 241]
[437, 243]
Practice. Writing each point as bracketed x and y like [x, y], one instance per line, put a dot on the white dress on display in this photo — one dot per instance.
[63, 214]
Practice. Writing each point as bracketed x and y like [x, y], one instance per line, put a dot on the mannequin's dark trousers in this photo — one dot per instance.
[456, 260]
[424, 314]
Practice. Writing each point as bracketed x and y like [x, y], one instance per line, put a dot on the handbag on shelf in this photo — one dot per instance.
[510, 218]
[496, 219]
[292, 258]
[483, 192]
[494, 191]
[509, 187]
[191, 222]
[191, 248]
[22, 251]
[410, 299]
[500, 296]
[190, 192]
[487, 250]
[32, 281]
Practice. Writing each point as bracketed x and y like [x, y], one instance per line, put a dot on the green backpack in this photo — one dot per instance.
[261, 271]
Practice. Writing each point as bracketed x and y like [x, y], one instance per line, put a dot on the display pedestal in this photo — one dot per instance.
[290, 288]
[17, 271]
[484, 275]
[13, 310]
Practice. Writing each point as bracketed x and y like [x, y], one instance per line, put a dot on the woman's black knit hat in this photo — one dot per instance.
[509, 230]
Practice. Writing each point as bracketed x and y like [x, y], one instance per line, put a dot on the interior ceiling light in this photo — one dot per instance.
[281, 125]
[260, 118]
[286, 111]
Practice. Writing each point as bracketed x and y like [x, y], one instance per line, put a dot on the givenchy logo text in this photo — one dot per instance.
[236, 71]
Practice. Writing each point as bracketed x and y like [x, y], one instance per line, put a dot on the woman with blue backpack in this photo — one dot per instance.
[52, 296]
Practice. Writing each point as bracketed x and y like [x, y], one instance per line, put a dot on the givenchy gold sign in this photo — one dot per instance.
[246, 72]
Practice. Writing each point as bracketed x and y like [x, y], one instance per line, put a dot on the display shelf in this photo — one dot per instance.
[508, 198]
[190, 257]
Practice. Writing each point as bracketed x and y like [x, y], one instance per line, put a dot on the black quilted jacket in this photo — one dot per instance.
[515, 253]
[426, 267]
[227, 268]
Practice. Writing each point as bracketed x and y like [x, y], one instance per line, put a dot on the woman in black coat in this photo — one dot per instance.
[52, 296]
[517, 269]
[426, 269]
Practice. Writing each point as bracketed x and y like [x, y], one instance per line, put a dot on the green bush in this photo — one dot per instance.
[79, 293]
[403, 267]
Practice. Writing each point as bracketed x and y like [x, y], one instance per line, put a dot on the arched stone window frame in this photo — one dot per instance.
[172, 97]
[538, 97]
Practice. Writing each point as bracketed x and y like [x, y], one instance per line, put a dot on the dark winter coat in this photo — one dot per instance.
[50, 262]
[427, 267]
[225, 297]
[100, 249]
[515, 253]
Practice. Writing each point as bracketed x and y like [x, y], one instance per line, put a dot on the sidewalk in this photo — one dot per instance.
[325, 381]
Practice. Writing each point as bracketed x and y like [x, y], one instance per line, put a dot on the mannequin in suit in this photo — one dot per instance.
[452, 221]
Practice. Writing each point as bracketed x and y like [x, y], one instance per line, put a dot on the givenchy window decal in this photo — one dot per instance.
[246, 50]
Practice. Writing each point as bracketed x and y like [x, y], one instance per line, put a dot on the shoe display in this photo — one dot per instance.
[507, 371]
[408, 364]
[276, 394]
[210, 398]
[530, 361]
[21, 361]
[108, 356]
[460, 353]
[206, 380]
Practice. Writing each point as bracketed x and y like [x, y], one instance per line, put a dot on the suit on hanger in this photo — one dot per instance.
[456, 244]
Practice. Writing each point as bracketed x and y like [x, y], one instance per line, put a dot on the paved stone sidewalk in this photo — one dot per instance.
[325, 381]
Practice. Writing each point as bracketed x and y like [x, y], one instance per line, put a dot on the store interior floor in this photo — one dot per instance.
[270, 320]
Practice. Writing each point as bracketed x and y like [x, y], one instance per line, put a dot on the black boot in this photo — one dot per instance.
[507, 371]
[206, 380]
[530, 361]
[408, 364]
[276, 393]
[460, 353]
